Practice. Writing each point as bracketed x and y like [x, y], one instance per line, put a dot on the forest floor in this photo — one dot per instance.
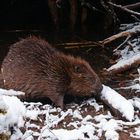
[85, 118]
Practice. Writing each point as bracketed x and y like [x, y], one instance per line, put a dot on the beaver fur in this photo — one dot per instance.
[38, 69]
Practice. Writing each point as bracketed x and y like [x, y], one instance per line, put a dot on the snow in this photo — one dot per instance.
[10, 92]
[76, 133]
[136, 102]
[130, 26]
[13, 111]
[79, 126]
[128, 55]
[125, 61]
[118, 102]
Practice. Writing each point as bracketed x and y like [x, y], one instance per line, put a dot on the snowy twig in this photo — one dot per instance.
[125, 9]
[125, 65]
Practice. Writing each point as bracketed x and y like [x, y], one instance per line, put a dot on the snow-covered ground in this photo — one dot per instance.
[30, 121]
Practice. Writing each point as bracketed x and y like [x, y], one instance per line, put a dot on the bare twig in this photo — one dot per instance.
[125, 9]
[125, 41]
[136, 18]
[80, 44]
[133, 6]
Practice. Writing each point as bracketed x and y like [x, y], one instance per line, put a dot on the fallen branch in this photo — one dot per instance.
[125, 9]
[124, 65]
[122, 44]
[80, 44]
[127, 33]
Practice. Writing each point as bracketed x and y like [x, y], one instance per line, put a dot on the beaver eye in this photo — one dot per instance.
[78, 69]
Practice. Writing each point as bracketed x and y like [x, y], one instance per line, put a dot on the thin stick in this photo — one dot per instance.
[132, 6]
[125, 9]
[125, 41]
[80, 44]
[136, 18]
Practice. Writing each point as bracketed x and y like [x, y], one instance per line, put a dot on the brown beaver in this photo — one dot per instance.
[36, 68]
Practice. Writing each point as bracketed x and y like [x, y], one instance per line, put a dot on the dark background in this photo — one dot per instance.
[34, 14]
[24, 14]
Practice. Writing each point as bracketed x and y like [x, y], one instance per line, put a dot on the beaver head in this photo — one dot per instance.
[83, 81]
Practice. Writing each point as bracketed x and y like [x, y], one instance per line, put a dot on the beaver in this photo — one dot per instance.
[33, 66]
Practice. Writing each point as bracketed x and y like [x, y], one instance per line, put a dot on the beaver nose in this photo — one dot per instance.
[97, 89]
[94, 93]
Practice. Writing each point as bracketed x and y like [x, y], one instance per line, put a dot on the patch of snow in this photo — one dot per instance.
[118, 102]
[14, 111]
[28, 135]
[32, 114]
[128, 55]
[136, 102]
[100, 117]
[108, 126]
[17, 134]
[92, 102]
[85, 132]
[111, 135]
[125, 61]
[10, 92]
[129, 26]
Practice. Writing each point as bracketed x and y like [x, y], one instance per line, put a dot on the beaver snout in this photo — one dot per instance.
[97, 88]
